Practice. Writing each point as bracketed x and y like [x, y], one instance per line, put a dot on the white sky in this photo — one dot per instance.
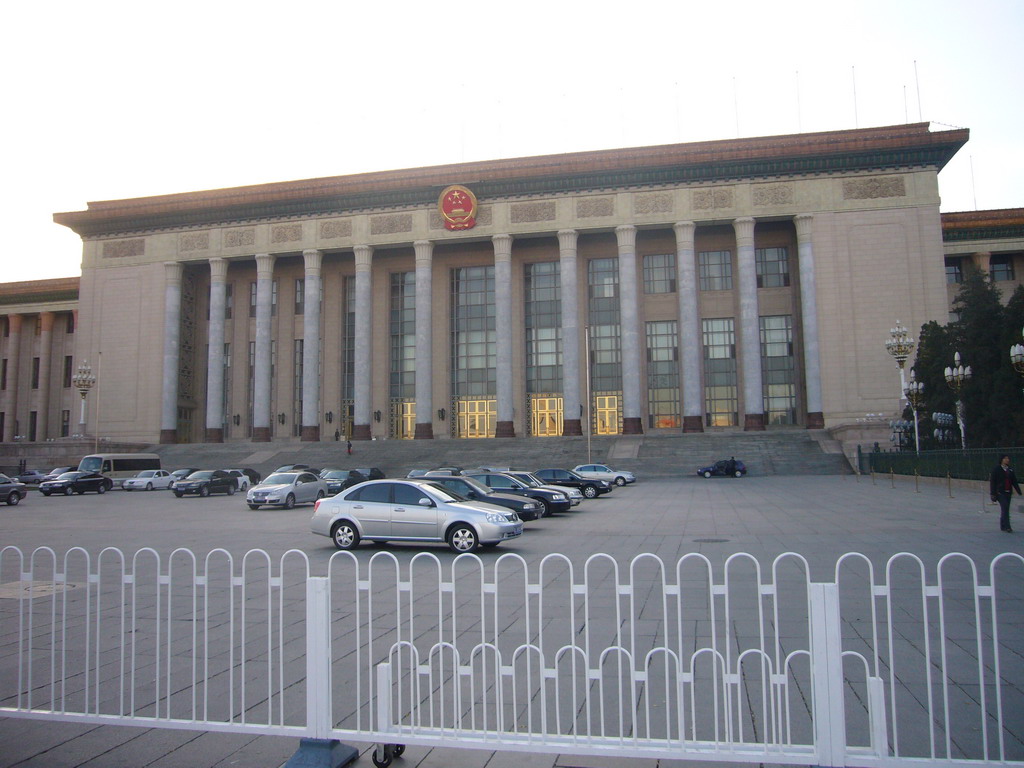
[108, 99]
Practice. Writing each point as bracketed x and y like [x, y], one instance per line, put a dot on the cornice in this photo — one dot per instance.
[996, 224]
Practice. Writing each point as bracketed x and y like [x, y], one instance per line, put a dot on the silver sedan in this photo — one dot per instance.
[412, 510]
[286, 489]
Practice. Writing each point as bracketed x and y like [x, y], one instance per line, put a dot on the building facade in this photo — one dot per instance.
[747, 284]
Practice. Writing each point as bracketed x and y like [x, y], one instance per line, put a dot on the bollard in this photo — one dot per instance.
[892, 477]
[873, 476]
[949, 483]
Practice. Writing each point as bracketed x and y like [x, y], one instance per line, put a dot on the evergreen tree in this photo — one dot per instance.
[934, 351]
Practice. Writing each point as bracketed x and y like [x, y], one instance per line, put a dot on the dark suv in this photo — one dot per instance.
[206, 481]
[472, 489]
[589, 488]
[551, 501]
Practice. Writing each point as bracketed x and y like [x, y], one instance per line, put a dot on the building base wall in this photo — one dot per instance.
[504, 429]
[632, 425]
[261, 434]
[168, 436]
[361, 432]
[214, 435]
[572, 428]
[310, 434]
[816, 420]
[693, 423]
[753, 422]
[424, 431]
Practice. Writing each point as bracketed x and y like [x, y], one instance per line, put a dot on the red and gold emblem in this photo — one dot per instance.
[458, 207]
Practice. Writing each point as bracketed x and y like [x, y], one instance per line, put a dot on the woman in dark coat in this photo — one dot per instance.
[1002, 484]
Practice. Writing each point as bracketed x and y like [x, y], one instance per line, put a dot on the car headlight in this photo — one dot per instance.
[558, 497]
[530, 505]
[495, 517]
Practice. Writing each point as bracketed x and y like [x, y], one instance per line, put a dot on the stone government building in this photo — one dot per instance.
[744, 283]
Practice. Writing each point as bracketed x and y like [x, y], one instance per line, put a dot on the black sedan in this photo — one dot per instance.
[474, 490]
[551, 501]
[77, 482]
[569, 479]
[11, 491]
[339, 480]
[206, 481]
[724, 468]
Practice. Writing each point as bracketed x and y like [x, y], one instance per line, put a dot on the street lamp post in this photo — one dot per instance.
[900, 345]
[956, 377]
[899, 428]
[1017, 357]
[83, 381]
[915, 396]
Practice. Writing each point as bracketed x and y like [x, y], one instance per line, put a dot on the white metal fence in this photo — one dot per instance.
[879, 664]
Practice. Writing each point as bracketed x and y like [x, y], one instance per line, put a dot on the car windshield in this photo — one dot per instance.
[442, 492]
[147, 473]
[58, 470]
[204, 474]
[281, 478]
[335, 474]
[5, 479]
[71, 475]
[527, 478]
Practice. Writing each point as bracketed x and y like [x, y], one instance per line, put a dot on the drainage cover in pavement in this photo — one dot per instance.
[13, 590]
[710, 541]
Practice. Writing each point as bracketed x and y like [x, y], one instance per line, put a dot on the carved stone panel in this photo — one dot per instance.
[239, 238]
[121, 249]
[524, 213]
[285, 233]
[716, 197]
[390, 223]
[653, 202]
[870, 189]
[193, 241]
[773, 194]
[593, 207]
[333, 230]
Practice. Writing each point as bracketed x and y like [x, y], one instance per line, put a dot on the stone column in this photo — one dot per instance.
[424, 340]
[45, 344]
[13, 355]
[690, 342]
[571, 416]
[809, 315]
[503, 330]
[215, 353]
[261, 416]
[633, 342]
[750, 326]
[364, 336]
[311, 347]
[172, 352]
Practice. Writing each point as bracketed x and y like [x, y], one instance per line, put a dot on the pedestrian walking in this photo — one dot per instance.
[337, 435]
[349, 443]
[1002, 484]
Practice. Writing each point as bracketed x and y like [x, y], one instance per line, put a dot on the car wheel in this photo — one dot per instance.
[737, 473]
[620, 481]
[231, 490]
[462, 538]
[149, 487]
[545, 508]
[590, 492]
[345, 535]
[707, 473]
[68, 490]
[204, 491]
[46, 493]
[13, 499]
[179, 494]
[254, 506]
[289, 502]
[319, 495]
[126, 487]
[102, 489]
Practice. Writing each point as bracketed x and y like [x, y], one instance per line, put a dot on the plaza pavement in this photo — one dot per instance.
[820, 517]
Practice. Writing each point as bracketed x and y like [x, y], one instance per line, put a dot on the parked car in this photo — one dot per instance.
[149, 479]
[370, 473]
[11, 491]
[56, 472]
[589, 487]
[551, 501]
[603, 472]
[412, 510]
[295, 468]
[181, 474]
[243, 479]
[77, 482]
[724, 468]
[417, 473]
[339, 480]
[206, 481]
[473, 490]
[286, 489]
[31, 476]
[573, 494]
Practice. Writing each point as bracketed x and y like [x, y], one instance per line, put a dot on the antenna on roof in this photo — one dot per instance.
[856, 120]
[917, 85]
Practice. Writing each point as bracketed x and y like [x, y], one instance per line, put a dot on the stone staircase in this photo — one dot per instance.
[775, 452]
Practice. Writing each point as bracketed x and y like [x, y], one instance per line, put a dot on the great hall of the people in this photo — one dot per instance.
[746, 284]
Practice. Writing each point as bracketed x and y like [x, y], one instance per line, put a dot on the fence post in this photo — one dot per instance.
[892, 476]
[949, 484]
[827, 674]
[319, 750]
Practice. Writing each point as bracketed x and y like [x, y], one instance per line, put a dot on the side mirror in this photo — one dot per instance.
[425, 502]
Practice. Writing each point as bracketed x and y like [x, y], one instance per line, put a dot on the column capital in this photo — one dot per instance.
[46, 321]
[312, 259]
[502, 247]
[364, 257]
[803, 223]
[744, 228]
[685, 231]
[14, 322]
[424, 251]
[625, 234]
[264, 266]
[172, 272]
[567, 239]
[218, 269]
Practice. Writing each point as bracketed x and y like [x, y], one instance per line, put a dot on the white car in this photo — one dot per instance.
[149, 480]
[241, 477]
[603, 472]
[286, 489]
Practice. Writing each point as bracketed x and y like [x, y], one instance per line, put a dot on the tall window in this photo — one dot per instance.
[3, 374]
[721, 406]
[297, 389]
[229, 301]
[543, 328]
[273, 298]
[35, 373]
[300, 296]
[348, 339]
[251, 387]
[67, 372]
[605, 328]
[663, 375]
[252, 299]
[660, 273]
[954, 269]
[1000, 267]
[715, 270]
[402, 321]
[772, 267]
[65, 423]
[71, 323]
[226, 390]
[778, 370]
[473, 335]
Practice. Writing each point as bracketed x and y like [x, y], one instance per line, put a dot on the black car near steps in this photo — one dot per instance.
[206, 481]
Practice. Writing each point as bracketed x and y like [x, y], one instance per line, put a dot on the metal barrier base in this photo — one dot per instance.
[321, 753]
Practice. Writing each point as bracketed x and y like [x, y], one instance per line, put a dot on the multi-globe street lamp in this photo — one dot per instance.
[943, 433]
[1017, 357]
[914, 392]
[899, 428]
[83, 380]
[900, 345]
[956, 377]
